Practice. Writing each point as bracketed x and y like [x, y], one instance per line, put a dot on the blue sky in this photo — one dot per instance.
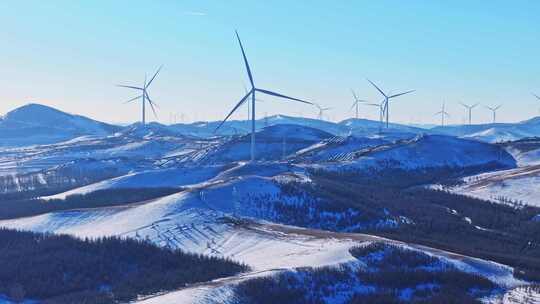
[70, 54]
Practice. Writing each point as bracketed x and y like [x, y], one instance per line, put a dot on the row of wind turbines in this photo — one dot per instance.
[469, 109]
[250, 99]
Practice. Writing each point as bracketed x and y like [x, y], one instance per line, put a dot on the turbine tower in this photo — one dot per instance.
[443, 114]
[144, 95]
[494, 111]
[251, 94]
[381, 112]
[537, 97]
[356, 102]
[469, 110]
[320, 116]
[387, 99]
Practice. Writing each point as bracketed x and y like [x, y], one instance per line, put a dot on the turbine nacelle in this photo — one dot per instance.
[144, 95]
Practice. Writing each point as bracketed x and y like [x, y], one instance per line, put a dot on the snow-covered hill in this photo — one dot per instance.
[424, 151]
[239, 127]
[494, 132]
[205, 220]
[518, 185]
[272, 143]
[38, 124]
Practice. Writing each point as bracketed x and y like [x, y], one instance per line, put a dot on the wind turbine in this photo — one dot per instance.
[144, 95]
[494, 110]
[537, 97]
[387, 99]
[381, 112]
[320, 116]
[469, 109]
[443, 114]
[356, 102]
[251, 94]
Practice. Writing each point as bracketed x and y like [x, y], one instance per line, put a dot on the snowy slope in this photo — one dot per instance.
[428, 151]
[526, 151]
[518, 185]
[38, 124]
[170, 177]
[272, 143]
[338, 149]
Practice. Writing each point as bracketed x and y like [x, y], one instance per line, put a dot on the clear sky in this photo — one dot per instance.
[70, 54]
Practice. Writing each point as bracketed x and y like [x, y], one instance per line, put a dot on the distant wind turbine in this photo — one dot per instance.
[144, 95]
[469, 110]
[251, 94]
[494, 111]
[381, 112]
[443, 114]
[387, 99]
[320, 116]
[537, 97]
[356, 102]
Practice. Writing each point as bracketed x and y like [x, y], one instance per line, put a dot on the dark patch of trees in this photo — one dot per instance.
[498, 232]
[100, 198]
[63, 269]
[384, 280]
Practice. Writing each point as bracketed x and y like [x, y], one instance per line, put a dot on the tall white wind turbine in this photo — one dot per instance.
[494, 111]
[537, 97]
[443, 114]
[320, 115]
[469, 110]
[356, 102]
[387, 99]
[144, 96]
[380, 106]
[251, 93]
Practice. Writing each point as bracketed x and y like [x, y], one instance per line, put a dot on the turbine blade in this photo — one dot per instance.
[129, 87]
[234, 109]
[245, 60]
[373, 104]
[465, 105]
[150, 100]
[133, 99]
[153, 77]
[151, 103]
[354, 95]
[396, 95]
[474, 106]
[440, 112]
[282, 96]
[353, 105]
[537, 97]
[376, 87]
[153, 110]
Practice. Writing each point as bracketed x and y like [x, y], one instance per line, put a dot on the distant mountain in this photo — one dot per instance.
[360, 127]
[150, 130]
[238, 127]
[38, 124]
[272, 143]
[366, 127]
[494, 132]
